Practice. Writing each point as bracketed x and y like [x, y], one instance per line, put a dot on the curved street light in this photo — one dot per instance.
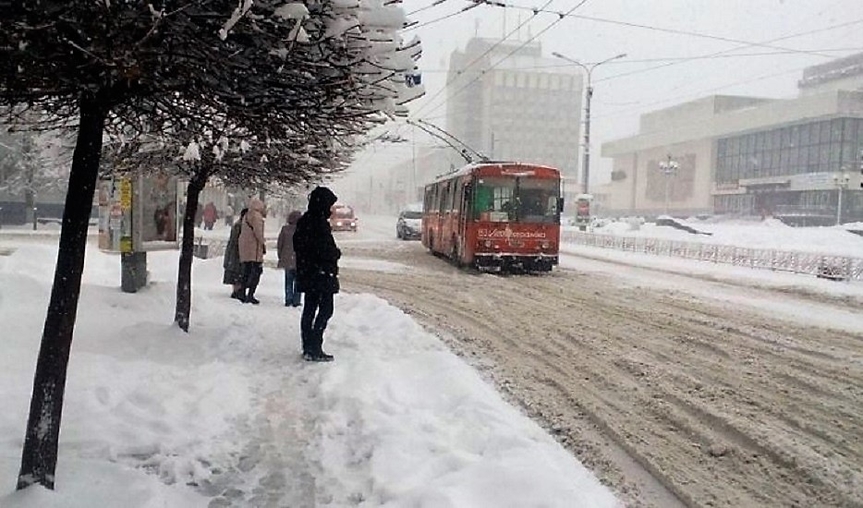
[668, 168]
[588, 70]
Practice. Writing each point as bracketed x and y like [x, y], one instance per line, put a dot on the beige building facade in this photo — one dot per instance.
[793, 158]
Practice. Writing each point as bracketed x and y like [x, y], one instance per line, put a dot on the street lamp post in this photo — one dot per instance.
[841, 182]
[588, 70]
[668, 167]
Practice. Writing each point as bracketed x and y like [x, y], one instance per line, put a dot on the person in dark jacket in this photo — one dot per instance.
[231, 263]
[287, 259]
[317, 259]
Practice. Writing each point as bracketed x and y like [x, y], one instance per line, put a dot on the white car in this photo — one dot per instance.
[409, 225]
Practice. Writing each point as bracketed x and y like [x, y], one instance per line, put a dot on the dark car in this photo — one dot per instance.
[409, 225]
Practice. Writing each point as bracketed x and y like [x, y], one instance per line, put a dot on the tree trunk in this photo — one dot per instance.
[184, 275]
[39, 457]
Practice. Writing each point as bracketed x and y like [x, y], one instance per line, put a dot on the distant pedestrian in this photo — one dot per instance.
[231, 264]
[210, 215]
[317, 271]
[229, 215]
[252, 250]
[287, 258]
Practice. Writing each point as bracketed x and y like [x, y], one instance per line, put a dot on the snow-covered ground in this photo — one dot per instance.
[156, 417]
[230, 414]
[767, 234]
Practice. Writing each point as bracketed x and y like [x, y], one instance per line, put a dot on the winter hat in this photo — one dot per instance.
[294, 216]
[321, 199]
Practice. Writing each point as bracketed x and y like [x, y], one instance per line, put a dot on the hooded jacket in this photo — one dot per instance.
[315, 248]
[285, 243]
[251, 240]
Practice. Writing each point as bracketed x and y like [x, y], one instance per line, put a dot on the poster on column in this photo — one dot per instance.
[156, 212]
[115, 214]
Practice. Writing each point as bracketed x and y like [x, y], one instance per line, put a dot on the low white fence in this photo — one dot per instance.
[820, 265]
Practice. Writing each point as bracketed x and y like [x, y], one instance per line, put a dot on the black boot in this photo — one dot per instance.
[307, 347]
[315, 353]
[238, 295]
[250, 297]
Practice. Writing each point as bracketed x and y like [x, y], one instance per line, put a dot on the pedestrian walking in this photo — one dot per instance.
[252, 250]
[231, 263]
[317, 271]
[287, 258]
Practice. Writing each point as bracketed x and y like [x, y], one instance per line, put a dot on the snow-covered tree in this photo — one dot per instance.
[278, 70]
[33, 164]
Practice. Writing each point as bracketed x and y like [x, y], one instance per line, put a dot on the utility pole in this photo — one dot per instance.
[588, 69]
[586, 162]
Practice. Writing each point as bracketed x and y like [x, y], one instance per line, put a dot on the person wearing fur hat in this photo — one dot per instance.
[317, 271]
[252, 250]
[287, 258]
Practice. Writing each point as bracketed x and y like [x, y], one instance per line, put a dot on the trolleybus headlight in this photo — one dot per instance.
[546, 245]
[487, 244]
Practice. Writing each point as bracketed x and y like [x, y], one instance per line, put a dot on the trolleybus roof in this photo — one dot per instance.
[505, 168]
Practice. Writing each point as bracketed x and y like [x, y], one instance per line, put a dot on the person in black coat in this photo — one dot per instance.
[317, 271]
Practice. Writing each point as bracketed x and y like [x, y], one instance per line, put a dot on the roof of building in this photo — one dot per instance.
[700, 119]
[841, 68]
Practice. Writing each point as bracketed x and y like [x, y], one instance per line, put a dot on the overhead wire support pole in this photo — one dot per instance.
[588, 70]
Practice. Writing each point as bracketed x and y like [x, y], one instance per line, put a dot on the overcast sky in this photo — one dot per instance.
[628, 87]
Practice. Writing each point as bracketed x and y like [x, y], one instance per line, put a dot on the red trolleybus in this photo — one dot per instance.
[495, 216]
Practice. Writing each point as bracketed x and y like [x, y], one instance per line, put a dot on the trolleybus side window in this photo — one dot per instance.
[443, 199]
[453, 194]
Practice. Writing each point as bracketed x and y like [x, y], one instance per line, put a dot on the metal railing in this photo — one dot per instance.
[821, 265]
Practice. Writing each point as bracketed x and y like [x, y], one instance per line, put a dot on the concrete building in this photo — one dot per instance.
[508, 102]
[795, 159]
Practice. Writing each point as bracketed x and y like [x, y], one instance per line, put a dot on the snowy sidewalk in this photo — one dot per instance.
[229, 415]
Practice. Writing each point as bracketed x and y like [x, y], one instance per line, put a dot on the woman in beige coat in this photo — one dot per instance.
[252, 250]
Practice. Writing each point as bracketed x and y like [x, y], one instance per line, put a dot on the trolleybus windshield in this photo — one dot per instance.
[515, 199]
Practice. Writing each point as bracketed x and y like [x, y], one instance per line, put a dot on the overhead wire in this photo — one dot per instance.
[785, 37]
[505, 57]
[479, 58]
[427, 7]
[645, 27]
[436, 20]
[696, 94]
[711, 56]
[672, 60]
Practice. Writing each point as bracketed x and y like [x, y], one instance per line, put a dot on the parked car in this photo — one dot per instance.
[409, 225]
[343, 218]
